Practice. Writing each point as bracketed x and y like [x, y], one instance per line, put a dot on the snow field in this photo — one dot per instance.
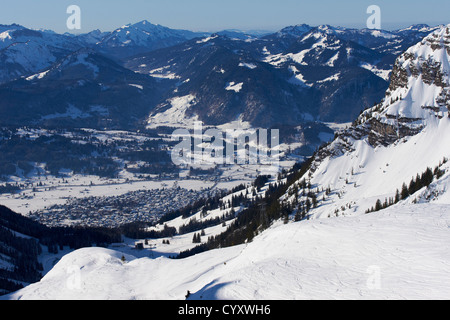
[399, 253]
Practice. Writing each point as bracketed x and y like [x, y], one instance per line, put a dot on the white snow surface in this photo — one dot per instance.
[400, 253]
[206, 39]
[383, 74]
[176, 114]
[248, 65]
[232, 86]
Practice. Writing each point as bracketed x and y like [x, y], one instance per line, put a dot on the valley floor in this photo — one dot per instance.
[402, 252]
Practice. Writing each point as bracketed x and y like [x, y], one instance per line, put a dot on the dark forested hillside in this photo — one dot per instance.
[21, 241]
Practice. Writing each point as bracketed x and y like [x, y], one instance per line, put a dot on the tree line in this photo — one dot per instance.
[257, 216]
[417, 183]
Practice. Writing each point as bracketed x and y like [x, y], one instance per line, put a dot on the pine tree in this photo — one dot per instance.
[427, 177]
[405, 192]
[378, 205]
[413, 186]
[397, 196]
[314, 201]
[286, 219]
[298, 216]
[197, 238]
[308, 204]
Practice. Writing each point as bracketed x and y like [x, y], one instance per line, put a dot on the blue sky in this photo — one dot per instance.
[211, 15]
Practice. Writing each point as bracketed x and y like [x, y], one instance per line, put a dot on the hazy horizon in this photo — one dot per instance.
[254, 30]
[213, 16]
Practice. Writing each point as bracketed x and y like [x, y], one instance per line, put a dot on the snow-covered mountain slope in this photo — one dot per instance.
[393, 142]
[24, 58]
[92, 38]
[319, 47]
[355, 45]
[320, 73]
[82, 89]
[299, 74]
[228, 82]
[132, 39]
[24, 51]
[10, 34]
[400, 253]
[387, 42]
[319, 77]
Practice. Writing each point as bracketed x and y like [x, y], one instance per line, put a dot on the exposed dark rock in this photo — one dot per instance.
[399, 77]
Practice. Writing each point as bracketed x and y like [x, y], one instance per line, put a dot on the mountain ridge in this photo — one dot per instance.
[84, 87]
[308, 233]
[413, 113]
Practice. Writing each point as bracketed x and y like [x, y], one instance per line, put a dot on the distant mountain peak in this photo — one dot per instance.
[415, 27]
[421, 28]
[142, 36]
[297, 30]
[325, 27]
[9, 26]
[146, 24]
[143, 22]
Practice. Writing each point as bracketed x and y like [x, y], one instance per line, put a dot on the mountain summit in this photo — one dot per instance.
[132, 39]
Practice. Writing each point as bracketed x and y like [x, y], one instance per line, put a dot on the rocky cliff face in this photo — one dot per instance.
[418, 94]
